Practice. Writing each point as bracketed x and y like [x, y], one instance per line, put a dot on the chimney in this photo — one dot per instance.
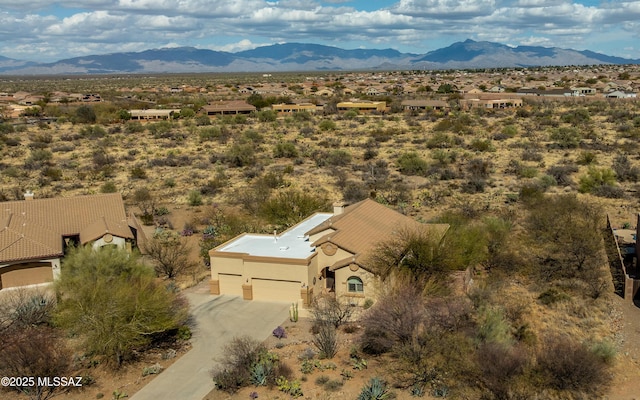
[28, 195]
[338, 207]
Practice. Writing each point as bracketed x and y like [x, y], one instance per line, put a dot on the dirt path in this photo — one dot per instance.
[626, 384]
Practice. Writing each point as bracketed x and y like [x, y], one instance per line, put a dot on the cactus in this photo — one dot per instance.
[293, 312]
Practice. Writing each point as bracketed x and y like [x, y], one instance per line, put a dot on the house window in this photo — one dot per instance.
[354, 285]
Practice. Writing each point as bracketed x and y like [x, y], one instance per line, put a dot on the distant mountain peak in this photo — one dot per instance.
[312, 57]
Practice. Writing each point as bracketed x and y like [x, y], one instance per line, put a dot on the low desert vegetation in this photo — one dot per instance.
[513, 298]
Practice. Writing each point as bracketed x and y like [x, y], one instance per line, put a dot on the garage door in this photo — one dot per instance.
[25, 274]
[273, 290]
[230, 284]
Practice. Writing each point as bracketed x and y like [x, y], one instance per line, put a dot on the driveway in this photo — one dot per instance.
[218, 319]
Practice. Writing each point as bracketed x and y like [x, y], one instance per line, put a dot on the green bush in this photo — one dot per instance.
[338, 158]
[285, 150]
[596, 177]
[102, 295]
[566, 138]
[327, 125]
[194, 198]
[412, 164]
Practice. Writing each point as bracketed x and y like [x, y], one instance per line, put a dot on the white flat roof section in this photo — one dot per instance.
[292, 243]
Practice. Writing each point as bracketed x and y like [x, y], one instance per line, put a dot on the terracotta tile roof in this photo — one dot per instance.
[237, 105]
[36, 228]
[362, 226]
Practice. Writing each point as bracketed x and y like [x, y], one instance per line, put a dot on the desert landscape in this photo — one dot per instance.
[521, 303]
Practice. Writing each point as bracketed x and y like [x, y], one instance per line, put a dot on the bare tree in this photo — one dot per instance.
[170, 253]
[331, 310]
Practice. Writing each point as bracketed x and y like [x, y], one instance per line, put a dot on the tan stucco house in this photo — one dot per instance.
[34, 233]
[325, 253]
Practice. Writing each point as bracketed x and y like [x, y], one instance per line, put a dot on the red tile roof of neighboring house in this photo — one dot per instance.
[36, 228]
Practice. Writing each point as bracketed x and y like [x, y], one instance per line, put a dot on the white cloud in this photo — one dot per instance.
[410, 25]
[244, 44]
[446, 9]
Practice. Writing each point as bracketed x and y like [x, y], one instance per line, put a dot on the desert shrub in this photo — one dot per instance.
[23, 308]
[241, 155]
[169, 253]
[479, 168]
[326, 340]
[586, 158]
[565, 138]
[93, 131]
[412, 164]
[34, 351]
[194, 198]
[500, 366]
[562, 173]
[103, 293]
[552, 296]
[85, 115]
[6, 128]
[576, 117]
[395, 318]
[440, 140]
[482, 145]
[327, 125]
[38, 158]
[267, 116]
[532, 155]
[53, 173]
[494, 327]
[133, 127]
[568, 365]
[338, 158]
[608, 191]
[289, 206]
[291, 388]
[285, 150]
[509, 130]
[331, 310]
[138, 172]
[596, 177]
[623, 169]
[353, 192]
[210, 133]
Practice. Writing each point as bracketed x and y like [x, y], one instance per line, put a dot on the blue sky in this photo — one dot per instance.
[40, 30]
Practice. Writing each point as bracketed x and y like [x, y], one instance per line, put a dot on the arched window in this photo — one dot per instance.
[354, 285]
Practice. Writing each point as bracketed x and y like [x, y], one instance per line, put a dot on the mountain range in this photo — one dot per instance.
[312, 57]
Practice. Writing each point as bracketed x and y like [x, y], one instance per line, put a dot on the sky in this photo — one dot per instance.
[45, 31]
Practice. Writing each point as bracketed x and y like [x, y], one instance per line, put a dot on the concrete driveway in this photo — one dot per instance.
[218, 319]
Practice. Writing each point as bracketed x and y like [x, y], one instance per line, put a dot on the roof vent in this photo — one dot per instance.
[28, 195]
[284, 248]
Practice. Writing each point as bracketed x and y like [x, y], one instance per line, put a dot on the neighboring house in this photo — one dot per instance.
[490, 101]
[325, 253]
[550, 92]
[323, 92]
[362, 106]
[152, 114]
[229, 108]
[423, 105]
[584, 91]
[288, 109]
[34, 234]
[620, 94]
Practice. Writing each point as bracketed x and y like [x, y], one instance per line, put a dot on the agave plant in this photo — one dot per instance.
[376, 389]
